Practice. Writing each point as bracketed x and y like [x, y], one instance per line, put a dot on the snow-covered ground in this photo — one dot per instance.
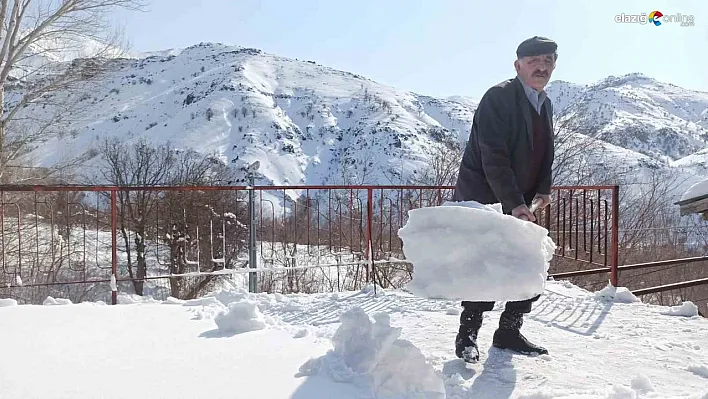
[231, 344]
[369, 343]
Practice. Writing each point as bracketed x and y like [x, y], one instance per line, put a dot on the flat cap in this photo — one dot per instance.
[536, 45]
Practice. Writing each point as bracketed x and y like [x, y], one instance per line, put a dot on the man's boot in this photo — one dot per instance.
[466, 341]
[509, 337]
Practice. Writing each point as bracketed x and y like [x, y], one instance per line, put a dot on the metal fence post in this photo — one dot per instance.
[252, 261]
[370, 268]
[114, 246]
[614, 276]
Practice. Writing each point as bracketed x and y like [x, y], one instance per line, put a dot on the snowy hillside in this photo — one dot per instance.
[310, 124]
[637, 113]
[306, 123]
[232, 344]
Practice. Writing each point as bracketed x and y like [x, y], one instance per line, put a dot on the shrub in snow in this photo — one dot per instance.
[470, 251]
[371, 355]
[241, 317]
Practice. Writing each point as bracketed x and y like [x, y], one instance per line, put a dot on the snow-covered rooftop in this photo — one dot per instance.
[697, 190]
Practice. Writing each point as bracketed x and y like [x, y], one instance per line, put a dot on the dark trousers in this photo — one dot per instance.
[511, 306]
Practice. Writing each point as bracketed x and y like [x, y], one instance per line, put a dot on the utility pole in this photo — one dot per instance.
[252, 255]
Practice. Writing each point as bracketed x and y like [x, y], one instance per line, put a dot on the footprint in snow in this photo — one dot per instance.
[457, 367]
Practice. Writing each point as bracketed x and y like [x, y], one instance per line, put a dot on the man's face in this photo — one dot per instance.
[536, 70]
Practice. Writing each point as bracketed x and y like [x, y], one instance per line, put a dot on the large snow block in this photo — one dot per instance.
[473, 252]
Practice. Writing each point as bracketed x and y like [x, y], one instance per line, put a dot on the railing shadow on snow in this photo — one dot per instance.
[554, 311]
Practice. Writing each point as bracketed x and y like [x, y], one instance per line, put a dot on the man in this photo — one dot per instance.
[508, 160]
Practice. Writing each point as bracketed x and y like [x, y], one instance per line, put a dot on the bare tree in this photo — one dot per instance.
[142, 165]
[576, 153]
[49, 48]
[203, 229]
[442, 167]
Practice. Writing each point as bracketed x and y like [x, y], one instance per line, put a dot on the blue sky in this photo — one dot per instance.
[440, 47]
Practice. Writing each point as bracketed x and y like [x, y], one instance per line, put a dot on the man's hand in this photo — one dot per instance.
[544, 199]
[522, 212]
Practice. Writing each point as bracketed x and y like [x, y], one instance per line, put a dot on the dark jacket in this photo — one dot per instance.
[496, 163]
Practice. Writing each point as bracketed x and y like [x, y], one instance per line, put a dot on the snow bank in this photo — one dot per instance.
[616, 294]
[470, 251]
[174, 301]
[696, 190]
[204, 301]
[687, 309]
[371, 355]
[241, 317]
[7, 302]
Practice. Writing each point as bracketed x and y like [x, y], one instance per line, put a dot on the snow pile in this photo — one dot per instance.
[696, 190]
[242, 316]
[7, 302]
[371, 355]
[616, 294]
[642, 384]
[698, 370]
[58, 301]
[687, 309]
[470, 251]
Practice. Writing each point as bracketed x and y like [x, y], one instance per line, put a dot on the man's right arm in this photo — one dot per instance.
[493, 135]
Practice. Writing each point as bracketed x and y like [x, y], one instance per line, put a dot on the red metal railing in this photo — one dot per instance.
[75, 241]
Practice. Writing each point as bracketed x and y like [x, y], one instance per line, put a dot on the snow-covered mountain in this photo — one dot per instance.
[638, 113]
[304, 122]
[310, 124]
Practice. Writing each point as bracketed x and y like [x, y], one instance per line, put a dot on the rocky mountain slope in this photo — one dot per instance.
[310, 124]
